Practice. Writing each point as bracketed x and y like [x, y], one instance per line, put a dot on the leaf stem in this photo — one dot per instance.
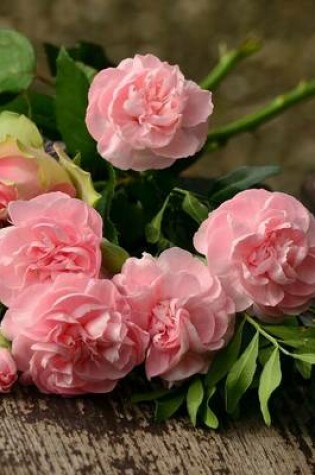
[228, 60]
[263, 332]
[219, 137]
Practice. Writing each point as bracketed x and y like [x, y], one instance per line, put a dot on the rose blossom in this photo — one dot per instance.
[8, 371]
[73, 336]
[262, 246]
[145, 115]
[182, 306]
[27, 172]
[50, 234]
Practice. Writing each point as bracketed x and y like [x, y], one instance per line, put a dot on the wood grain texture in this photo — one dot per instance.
[107, 435]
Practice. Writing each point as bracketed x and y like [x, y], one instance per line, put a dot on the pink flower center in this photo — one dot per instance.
[273, 256]
[167, 319]
[150, 108]
[54, 250]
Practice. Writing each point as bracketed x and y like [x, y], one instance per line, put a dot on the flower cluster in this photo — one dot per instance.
[81, 313]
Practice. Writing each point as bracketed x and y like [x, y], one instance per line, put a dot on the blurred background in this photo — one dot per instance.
[188, 32]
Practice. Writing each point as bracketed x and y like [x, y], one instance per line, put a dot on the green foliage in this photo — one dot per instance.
[238, 180]
[86, 53]
[38, 107]
[225, 358]
[270, 379]
[194, 399]
[17, 62]
[72, 88]
[168, 406]
[241, 375]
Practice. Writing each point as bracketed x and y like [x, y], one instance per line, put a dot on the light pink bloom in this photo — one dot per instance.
[145, 115]
[182, 306]
[26, 172]
[262, 247]
[8, 371]
[73, 336]
[50, 234]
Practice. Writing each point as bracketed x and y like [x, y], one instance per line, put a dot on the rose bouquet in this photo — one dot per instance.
[113, 268]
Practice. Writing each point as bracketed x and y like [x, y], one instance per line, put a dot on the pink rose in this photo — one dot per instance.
[262, 247]
[8, 371]
[27, 172]
[145, 115]
[50, 234]
[182, 306]
[73, 336]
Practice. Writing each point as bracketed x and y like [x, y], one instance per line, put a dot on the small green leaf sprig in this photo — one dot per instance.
[252, 361]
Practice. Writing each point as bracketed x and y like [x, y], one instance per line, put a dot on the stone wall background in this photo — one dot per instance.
[188, 32]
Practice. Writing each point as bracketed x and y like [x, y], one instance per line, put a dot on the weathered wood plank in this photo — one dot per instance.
[95, 435]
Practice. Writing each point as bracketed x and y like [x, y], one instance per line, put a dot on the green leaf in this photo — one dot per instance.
[295, 336]
[225, 358]
[4, 343]
[72, 88]
[88, 70]
[20, 128]
[130, 224]
[305, 369]
[17, 62]
[306, 357]
[81, 179]
[208, 416]
[240, 179]
[166, 407]
[210, 419]
[194, 399]
[113, 256]
[194, 208]
[241, 375]
[270, 379]
[104, 206]
[149, 396]
[88, 53]
[153, 230]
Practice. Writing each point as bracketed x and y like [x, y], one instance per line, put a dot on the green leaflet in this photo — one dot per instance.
[150, 395]
[194, 208]
[153, 230]
[113, 256]
[71, 103]
[241, 375]
[270, 379]
[306, 357]
[17, 62]
[194, 399]
[80, 178]
[299, 337]
[210, 419]
[105, 203]
[240, 179]
[208, 416]
[225, 358]
[167, 406]
[4, 343]
[305, 369]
